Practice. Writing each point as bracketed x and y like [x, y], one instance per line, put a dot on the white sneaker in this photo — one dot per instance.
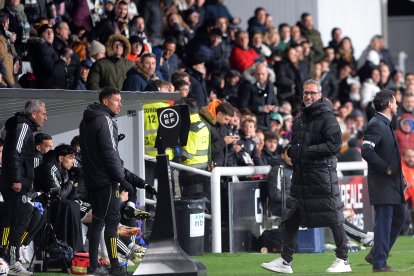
[278, 265]
[4, 267]
[24, 255]
[369, 239]
[339, 265]
[19, 270]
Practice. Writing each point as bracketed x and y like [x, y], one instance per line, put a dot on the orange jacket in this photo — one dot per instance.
[409, 178]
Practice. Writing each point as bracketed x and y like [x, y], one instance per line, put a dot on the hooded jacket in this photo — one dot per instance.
[404, 133]
[51, 175]
[18, 152]
[110, 70]
[316, 139]
[101, 163]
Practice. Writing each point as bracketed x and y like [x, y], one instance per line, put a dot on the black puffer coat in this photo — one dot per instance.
[316, 140]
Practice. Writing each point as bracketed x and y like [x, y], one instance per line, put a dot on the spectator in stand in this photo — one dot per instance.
[259, 96]
[137, 27]
[138, 76]
[327, 78]
[279, 182]
[336, 35]
[60, 42]
[223, 24]
[81, 16]
[404, 134]
[18, 25]
[272, 39]
[407, 104]
[137, 48]
[345, 54]
[220, 135]
[36, 10]
[49, 67]
[84, 72]
[242, 57]
[285, 38]
[276, 123]
[370, 58]
[192, 19]
[245, 150]
[257, 23]
[167, 59]
[270, 150]
[385, 54]
[290, 77]
[310, 33]
[231, 88]
[115, 24]
[182, 86]
[197, 72]
[257, 44]
[286, 131]
[177, 28]
[5, 55]
[386, 80]
[216, 8]
[180, 75]
[153, 18]
[296, 34]
[215, 52]
[353, 153]
[112, 69]
[370, 87]
[408, 172]
[80, 49]
[97, 50]
[259, 140]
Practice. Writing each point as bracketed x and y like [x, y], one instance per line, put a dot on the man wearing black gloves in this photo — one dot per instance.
[103, 172]
[385, 180]
[17, 176]
[55, 172]
[314, 199]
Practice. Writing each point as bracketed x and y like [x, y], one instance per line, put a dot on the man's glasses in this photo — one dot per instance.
[310, 93]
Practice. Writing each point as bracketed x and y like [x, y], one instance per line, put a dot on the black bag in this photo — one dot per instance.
[272, 240]
[59, 253]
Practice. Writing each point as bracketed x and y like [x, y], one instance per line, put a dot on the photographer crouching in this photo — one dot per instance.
[58, 180]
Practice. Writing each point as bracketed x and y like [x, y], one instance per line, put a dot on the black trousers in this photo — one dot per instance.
[290, 231]
[20, 211]
[105, 204]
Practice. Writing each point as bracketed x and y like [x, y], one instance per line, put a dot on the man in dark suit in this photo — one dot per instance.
[385, 179]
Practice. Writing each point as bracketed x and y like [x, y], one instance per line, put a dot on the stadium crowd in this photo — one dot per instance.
[244, 88]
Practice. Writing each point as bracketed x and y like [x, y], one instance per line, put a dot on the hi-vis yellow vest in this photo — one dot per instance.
[196, 152]
[150, 128]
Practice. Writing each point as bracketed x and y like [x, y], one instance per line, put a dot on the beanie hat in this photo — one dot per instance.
[97, 47]
[43, 28]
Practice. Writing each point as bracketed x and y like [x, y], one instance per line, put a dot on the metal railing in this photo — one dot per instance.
[215, 177]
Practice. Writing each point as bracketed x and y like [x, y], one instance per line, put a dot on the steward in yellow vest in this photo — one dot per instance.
[195, 154]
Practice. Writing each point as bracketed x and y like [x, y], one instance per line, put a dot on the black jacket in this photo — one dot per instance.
[51, 175]
[255, 96]
[316, 139]
[268, 157]
[18, 153]
[198, 87]
[380, 150]
[48, 68]
[279, 182]
[289, 79]
[248, 146]
[101, 163]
